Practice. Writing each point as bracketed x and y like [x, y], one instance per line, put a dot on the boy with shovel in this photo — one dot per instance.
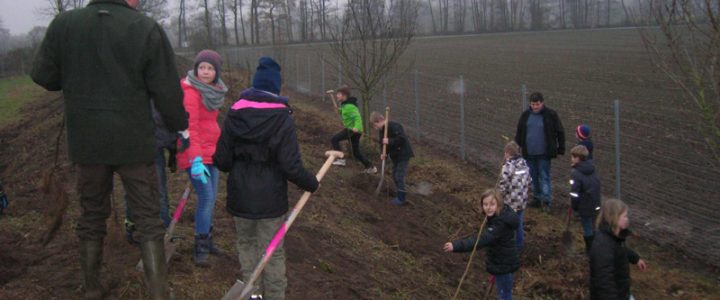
[585, 193]
[258, 146]
[352, 121]
[398, 149]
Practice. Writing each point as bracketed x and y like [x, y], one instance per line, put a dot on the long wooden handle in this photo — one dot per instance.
[387, 124]
[332, 155]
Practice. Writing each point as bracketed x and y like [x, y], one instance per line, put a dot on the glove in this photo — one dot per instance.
[184, 140]
[172, 160]
[199, 171]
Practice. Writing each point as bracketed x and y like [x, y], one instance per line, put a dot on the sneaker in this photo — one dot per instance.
[339, 162]
[201, 250]
[370, 170]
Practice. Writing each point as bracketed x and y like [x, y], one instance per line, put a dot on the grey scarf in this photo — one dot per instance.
[213, 96]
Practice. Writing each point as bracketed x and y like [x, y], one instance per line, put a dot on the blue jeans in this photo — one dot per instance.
[587, 225]
[398, 173]
[206, 194]
[162, 188]
[504, 285]
[520, 234]
[540, 173]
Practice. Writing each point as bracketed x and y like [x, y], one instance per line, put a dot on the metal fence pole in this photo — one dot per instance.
[617, 149]
[462, 117]
[322, 75]
[524, 98]
[417, 107]
[309, 75]
[297, 72]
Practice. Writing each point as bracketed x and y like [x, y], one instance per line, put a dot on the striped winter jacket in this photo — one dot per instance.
[515, 183]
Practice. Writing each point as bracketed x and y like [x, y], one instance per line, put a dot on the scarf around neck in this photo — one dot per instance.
[213, 96]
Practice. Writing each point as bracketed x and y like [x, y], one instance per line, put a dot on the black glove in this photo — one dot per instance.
[3, 200]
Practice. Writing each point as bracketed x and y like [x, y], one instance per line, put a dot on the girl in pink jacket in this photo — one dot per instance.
[204, 96]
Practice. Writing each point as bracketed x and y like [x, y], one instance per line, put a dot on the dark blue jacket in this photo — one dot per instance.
[398, 147]
[499, 237]
[589, 145]
[585, 192]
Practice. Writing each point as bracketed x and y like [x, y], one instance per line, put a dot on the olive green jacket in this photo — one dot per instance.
[110, 60]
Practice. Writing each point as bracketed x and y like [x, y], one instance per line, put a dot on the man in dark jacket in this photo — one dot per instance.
[585, 192]
[398, 149]
[110, 60]
[541, 136]
[258, 146]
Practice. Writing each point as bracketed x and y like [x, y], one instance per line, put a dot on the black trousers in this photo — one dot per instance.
[354, 138]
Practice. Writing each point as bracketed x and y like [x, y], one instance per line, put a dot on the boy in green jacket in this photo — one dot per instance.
[352, 121]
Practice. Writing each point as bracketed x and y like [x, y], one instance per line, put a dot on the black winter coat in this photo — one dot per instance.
[610, 263]
[499, 237]
[398, 147]
[585, 193]
[259, 148]
[554, 132]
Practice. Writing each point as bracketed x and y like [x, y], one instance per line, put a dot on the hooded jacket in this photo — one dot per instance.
[515, 183]
[499, 237]
[554, 133]
[585, 193]
[351, 115]
[398, 147]
[110, 60]
[259, 148]
[610, 263]
[203, 128]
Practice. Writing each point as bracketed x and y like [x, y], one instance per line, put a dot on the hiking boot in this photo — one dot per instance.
[90, 261]
[588, 243]
[339, 162]
[370, 170]
[211, 246]
[201, 250]
[130, 232]
[153, 258]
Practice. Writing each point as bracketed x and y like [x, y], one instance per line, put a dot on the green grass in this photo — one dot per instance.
[14, 92]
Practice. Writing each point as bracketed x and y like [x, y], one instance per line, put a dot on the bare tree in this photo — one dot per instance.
[156, 9]
[222, 17]
[255, 21]
[370, 44]
[687, 50]
[207, 21]
[236, 10]
[288, 19]
[56, 7]
[182, 25]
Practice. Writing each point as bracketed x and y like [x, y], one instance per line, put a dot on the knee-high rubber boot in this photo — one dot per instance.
[153, 257]
[588, 243]
[90, 260]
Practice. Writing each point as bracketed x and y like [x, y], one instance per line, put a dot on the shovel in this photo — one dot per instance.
[242, 290]
[384, 152]
[567, 238]
[169, 244]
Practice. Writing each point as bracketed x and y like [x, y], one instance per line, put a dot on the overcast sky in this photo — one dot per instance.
[19, 16]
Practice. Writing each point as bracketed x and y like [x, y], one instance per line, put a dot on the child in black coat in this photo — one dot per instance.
[585, 193]
[398, 149]
[502, 259]
[610, 258]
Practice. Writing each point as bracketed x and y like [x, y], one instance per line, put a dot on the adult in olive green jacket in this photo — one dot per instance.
[110, 60]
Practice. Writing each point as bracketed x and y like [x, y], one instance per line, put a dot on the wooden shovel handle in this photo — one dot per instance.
[387, 123]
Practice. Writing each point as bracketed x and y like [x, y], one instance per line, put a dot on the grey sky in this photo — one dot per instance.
[19, 16]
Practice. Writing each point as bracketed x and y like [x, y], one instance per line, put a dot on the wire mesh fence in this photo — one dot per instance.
[654, 148]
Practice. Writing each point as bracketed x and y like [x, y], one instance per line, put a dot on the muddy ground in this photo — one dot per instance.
[346, 244]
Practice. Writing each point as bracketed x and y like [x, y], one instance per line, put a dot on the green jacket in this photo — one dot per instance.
[351, 114]
[110, 60]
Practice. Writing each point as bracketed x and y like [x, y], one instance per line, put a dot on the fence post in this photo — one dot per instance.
[462, 117]
[417, 106]
[384, 92]
[617, 149]
[309, 76]
[524, 97]
[322, 75]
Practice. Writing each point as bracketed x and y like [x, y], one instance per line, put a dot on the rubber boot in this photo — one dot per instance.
[153, 257]
[201, 250]
[588, 243]
[90, 261]
[211, 246]
[400, 199]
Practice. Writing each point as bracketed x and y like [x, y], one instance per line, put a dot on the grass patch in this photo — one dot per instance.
[14, 92]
